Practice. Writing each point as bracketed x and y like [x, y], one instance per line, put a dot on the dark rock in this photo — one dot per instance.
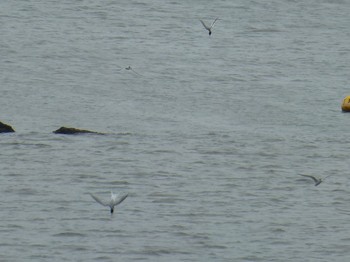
[73, 131]
[6, 128]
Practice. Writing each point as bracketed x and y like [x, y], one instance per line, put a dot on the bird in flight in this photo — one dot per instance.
[315, 179]
[129, 68]
[115, 200]
[209, 28]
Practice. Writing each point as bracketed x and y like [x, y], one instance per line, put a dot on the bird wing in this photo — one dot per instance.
[213, 23]
[117, 201]
[205, 26]
[328, 176]
[99, 200]
[135, 72]
[312, 177]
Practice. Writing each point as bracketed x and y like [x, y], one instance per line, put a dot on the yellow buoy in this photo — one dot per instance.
[345, 106]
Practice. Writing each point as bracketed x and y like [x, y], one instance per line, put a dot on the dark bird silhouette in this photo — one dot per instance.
[315, 179]
[129, 68]
[209, 28]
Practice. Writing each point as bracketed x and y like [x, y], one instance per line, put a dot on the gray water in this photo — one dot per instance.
[209, 140]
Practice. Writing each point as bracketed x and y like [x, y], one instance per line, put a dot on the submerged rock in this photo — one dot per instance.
[6, 128]
[73, 131]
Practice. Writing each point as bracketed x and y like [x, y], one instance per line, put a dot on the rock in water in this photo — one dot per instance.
[73, 131]
[6, 128]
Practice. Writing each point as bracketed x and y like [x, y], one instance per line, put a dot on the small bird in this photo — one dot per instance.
[209, 28]
[115, 200]
[315, 179]
[129, 68]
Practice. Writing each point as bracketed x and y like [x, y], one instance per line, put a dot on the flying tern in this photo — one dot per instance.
[315, 179]
[129, 68]
[209, 28]
[115, 200]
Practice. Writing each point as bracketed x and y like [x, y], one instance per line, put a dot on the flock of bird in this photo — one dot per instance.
[117, 199]
[209, 28]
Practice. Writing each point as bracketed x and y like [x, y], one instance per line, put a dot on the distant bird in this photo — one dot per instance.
[209, 28]
[129, 68]
[115, 200]
[315, 179]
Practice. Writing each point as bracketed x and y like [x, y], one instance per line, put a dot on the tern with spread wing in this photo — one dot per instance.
[115, 200]
[209, 28]
[315, 179]
[129, 68]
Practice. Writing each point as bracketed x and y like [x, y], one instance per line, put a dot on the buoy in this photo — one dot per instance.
[345, 106]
